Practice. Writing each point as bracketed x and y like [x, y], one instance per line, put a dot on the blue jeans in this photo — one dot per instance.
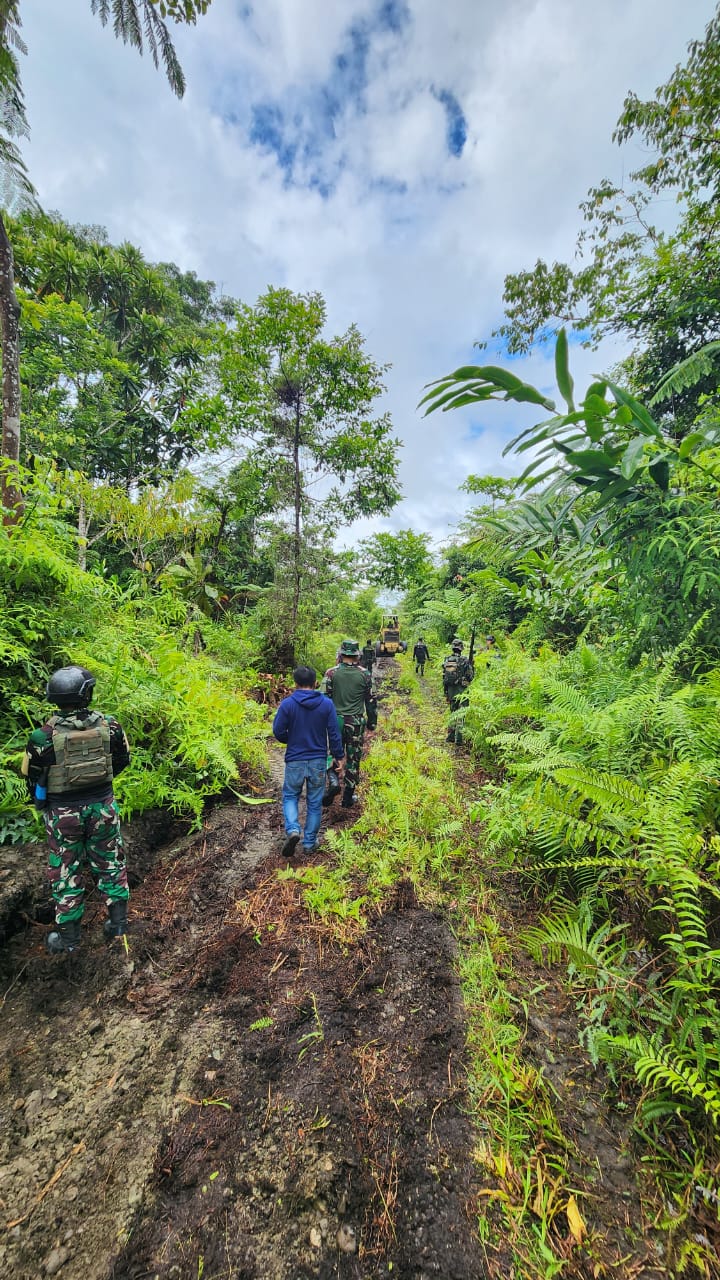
[296, 773]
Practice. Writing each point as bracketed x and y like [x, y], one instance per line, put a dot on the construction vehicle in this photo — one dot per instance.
[389, 641]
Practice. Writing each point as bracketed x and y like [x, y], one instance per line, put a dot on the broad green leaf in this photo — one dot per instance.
[632, 456]
[688, 444]
[594, 461]
[660, 472]
[459, 393]
[500, 377]
[466, 397]
[616, 487]
[503, 380]
[639, 413]
[255, 799]
[596, 404]
[562, 370]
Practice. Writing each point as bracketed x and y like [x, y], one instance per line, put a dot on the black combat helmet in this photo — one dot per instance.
[71, 687]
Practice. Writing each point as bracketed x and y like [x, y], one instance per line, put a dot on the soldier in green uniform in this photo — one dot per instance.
[69, 765]
[368, 656]
[457, 674]
[350, 687]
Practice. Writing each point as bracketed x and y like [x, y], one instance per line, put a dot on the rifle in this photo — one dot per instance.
[472, 643]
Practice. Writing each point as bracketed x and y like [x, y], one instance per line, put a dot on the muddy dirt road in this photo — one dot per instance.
[236, 1095]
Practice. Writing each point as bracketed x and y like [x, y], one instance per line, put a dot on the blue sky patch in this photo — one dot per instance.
[300, 127]
[456, 129]
[393, 15]
[268, 130]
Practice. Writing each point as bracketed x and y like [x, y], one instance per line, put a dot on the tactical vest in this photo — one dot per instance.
[83, 760]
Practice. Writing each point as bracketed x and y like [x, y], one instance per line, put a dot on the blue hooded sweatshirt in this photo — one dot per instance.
[307, 721]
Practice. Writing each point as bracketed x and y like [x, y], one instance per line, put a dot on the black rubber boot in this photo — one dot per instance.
[333, 789]
[348, 799]
[116, 924]
[290, 845]
[65, 938]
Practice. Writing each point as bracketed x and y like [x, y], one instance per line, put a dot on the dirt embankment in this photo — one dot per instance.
[236, 1096]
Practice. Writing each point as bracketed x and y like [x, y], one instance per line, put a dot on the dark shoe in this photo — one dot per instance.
[333, 789]
[290, 845]
[349, 798]
[309, 848]
[116, 924]
[64, 938]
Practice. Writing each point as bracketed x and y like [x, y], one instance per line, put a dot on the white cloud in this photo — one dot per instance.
[540, 83]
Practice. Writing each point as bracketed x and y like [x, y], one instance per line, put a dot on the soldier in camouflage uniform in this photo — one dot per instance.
[458, 673]
[350, 687]
[69, 764]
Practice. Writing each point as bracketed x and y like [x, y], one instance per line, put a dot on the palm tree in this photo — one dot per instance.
[140, 23]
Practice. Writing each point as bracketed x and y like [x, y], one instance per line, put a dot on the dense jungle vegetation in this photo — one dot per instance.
[187, 460]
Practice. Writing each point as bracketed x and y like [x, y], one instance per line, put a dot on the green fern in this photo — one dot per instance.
[589, 953]
[658, 1067]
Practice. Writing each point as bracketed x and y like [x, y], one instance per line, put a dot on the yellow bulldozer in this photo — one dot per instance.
[389, 641]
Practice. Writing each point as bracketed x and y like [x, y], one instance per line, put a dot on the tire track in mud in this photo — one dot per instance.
[239, 1096]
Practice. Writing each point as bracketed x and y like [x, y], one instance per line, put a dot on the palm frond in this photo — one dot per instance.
[687, 373]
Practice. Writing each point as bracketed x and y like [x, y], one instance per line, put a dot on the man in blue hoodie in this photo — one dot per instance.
[308, 723]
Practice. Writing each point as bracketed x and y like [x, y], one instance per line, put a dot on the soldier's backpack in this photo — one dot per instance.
[82, 753]
[456, 670]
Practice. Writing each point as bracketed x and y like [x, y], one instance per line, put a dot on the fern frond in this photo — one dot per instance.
[657, 1067]
[570, 934]
[617, 794]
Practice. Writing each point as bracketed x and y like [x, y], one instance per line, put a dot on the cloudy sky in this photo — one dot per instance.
[400, 156]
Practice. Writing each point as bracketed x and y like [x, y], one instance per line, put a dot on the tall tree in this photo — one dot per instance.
[307, 401]
[140, 23]
[113, 355]
[396, 560]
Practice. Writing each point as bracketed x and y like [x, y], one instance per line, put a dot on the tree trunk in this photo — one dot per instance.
[224, 511]
[297, 543]
[82, 533]
[10, 331]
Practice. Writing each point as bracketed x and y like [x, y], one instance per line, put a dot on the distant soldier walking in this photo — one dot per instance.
[457, 675]
[350, 688]
[69, 764]
[421, 655]
[368, 656]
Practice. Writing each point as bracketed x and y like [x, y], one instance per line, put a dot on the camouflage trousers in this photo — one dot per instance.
[458, 699]
[352, 735]
[84, 833]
